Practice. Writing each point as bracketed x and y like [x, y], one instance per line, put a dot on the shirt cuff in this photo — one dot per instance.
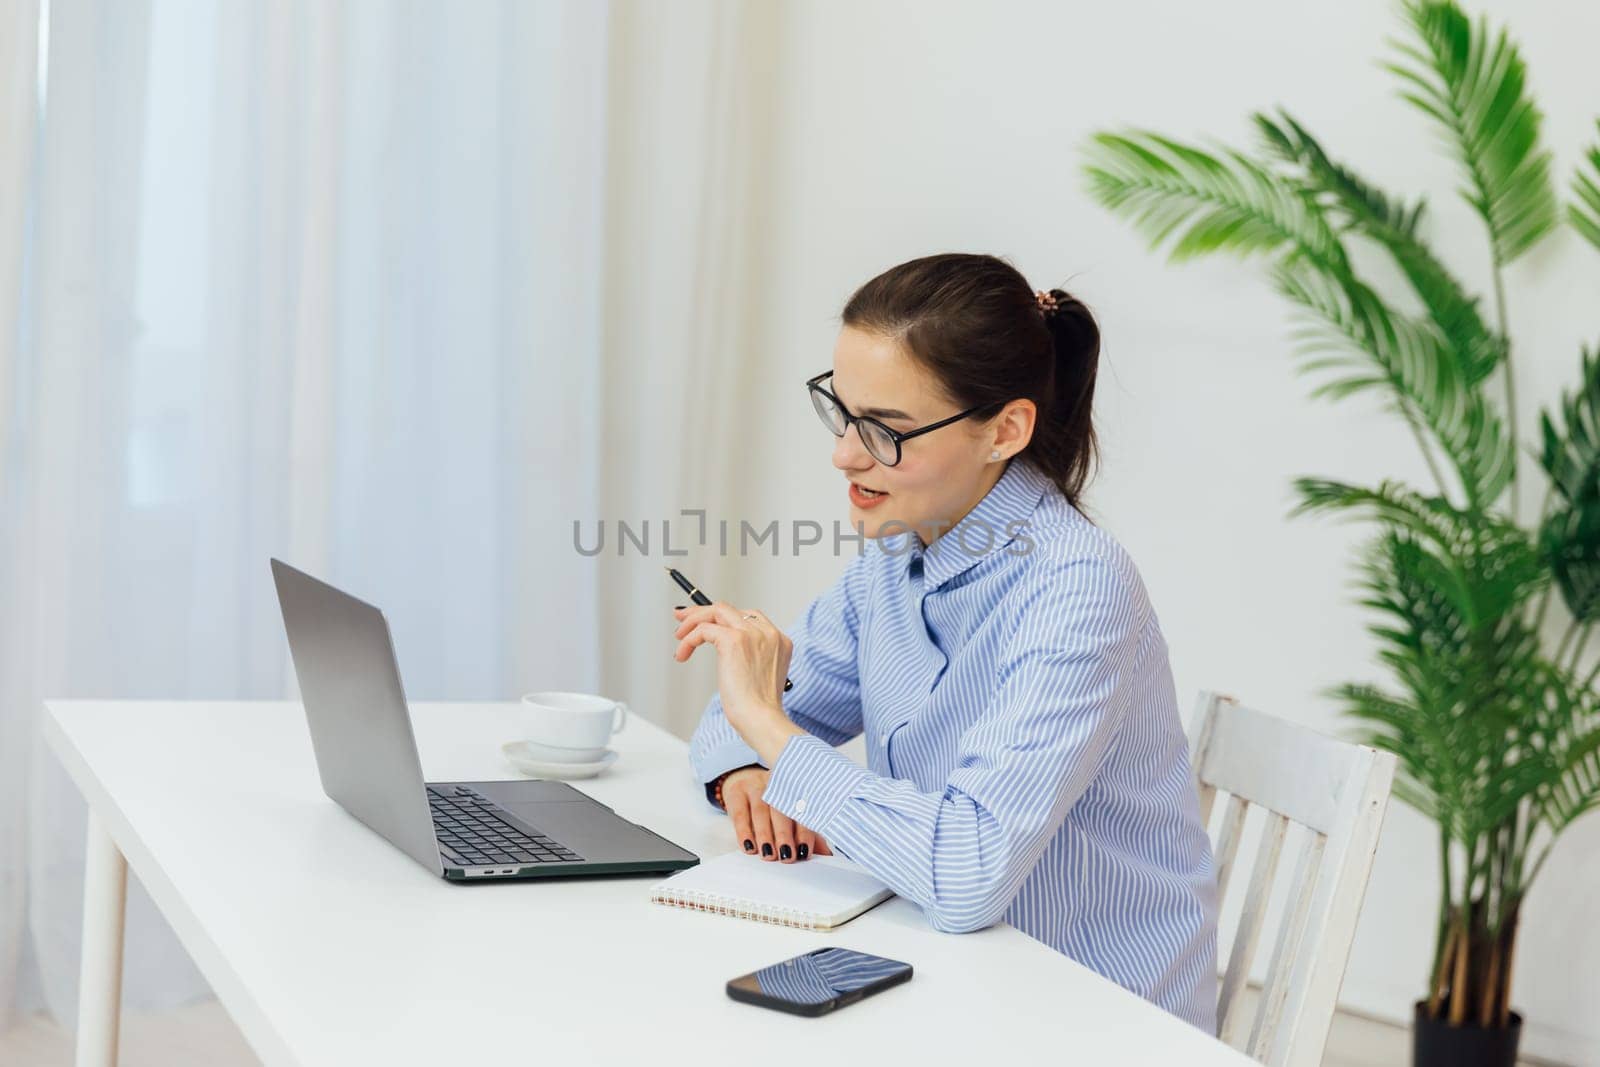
[811, 780]
[728, 756]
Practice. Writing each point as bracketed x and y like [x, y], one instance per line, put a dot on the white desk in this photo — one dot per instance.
[328, 946]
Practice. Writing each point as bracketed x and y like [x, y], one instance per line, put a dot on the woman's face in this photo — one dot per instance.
[942, 474]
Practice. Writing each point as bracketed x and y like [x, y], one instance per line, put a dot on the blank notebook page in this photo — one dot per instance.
[819, 893]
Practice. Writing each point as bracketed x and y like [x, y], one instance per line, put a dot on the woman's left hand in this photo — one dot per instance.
[752, 662]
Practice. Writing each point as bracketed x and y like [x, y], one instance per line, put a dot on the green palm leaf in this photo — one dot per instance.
[1464, 673]
[1570, 455]
[1576, 791]
[1353, 339]
[1482, 565]
[1570, 540]
[1429, 518]
[1564, 735]
[1362, 208]
[1571, 450]
[1202, 202]
[1429, 778]
[1473, 83]
[1585, 214]
[1362, 204]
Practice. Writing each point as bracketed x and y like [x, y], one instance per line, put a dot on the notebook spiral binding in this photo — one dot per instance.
[737, 907]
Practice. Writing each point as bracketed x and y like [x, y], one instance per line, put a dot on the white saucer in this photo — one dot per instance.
[523, 760]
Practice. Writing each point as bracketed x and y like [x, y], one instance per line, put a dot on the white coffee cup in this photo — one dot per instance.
[571, 727]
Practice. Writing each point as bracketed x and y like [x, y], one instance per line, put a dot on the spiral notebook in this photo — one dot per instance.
[815, 894]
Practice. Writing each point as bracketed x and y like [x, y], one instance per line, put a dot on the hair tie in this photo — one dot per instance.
[1047, 302]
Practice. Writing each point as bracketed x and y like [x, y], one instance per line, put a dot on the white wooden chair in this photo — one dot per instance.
[1338, 791]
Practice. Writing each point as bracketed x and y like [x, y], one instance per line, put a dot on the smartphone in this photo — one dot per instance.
[819, 981]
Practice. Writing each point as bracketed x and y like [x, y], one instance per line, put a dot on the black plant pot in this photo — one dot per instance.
[1435, 1043]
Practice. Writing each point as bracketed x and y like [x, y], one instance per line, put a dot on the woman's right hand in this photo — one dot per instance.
[772, 835]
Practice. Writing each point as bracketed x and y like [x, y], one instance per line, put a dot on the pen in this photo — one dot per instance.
[700, 598]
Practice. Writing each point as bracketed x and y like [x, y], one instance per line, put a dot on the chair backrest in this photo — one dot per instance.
[1338, 792]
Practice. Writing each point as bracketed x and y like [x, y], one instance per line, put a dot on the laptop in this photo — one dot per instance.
[367, 757]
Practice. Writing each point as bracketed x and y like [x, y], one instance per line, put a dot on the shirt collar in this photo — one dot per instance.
[984, 530]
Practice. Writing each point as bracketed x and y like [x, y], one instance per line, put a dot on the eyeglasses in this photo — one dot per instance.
[882, 443]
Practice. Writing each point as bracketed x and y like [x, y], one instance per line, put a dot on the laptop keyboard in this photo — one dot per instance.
[473, 833]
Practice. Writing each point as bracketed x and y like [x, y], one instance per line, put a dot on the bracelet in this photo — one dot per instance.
[716, 786]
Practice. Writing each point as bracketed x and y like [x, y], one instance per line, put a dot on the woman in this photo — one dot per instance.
[1026, 758]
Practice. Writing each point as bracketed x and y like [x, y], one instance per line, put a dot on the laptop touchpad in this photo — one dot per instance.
[595, 833]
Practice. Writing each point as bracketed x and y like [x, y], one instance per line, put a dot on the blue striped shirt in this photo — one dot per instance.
[1026, 759]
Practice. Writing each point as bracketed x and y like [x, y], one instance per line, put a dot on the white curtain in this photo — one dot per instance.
[291, 278]
[19, 99]
[691, 190]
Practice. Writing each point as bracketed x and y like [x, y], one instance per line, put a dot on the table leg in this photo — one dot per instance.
[105, 894]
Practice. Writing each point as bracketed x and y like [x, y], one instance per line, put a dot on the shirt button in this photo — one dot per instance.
[800, 805]
[883, 742]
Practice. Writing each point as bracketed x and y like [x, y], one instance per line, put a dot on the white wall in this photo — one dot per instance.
[903, 129]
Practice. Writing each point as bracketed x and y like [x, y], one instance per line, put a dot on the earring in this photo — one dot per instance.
[995, 454]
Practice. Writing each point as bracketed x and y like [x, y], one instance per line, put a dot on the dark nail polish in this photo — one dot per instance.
[679, 607]
[766, 849]
[785, 852]
[749, 845]
[802, 851]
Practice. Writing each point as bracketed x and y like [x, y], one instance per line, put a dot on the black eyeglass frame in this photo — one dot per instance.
[814, 385]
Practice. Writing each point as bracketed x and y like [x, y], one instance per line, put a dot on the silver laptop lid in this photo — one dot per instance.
[355, 705]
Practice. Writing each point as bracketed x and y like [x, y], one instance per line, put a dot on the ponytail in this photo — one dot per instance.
[1064, 445]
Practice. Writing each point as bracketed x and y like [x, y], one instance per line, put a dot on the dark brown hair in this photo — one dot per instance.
[976, 324]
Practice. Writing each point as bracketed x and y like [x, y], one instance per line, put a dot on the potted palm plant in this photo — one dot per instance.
[1488, 705]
